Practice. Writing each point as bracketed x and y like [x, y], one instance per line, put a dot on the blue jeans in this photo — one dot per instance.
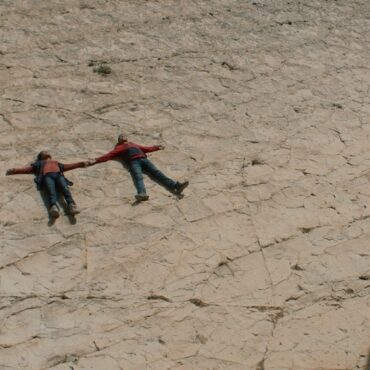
[54, 180]
[140, 165]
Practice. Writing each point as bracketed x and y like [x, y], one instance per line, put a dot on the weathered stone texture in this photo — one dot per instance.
[264, 107]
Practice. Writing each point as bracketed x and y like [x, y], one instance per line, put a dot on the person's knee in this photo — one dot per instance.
[138, 176]
[65, 189]
[153, 171]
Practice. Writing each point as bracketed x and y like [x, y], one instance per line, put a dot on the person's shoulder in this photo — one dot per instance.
[125, 145]
[117, 146]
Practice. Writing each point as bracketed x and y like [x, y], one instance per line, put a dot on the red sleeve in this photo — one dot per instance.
[22, 171]
[148, 149]
[72, 166]
[110, 155]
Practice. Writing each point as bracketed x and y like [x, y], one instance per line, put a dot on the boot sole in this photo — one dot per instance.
[182, 188]
[142, 198]
[54, 214]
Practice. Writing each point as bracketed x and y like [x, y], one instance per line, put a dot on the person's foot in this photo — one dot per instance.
[141, 197]
[54, 212]
[180, 187]
[73, 210]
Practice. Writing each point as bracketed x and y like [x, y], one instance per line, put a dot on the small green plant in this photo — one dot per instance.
[100, 67]
[103, 70]
[338, 105]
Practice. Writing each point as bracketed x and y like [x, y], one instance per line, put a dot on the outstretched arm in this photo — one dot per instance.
[72, 166]
[107, 157]
[19, 171]
[148, 149]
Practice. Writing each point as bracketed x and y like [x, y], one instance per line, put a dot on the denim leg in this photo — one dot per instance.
[49, 183]
[157, 175]
[137, 175]
[63, 186]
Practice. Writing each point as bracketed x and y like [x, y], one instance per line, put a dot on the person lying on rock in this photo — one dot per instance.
[135, 158]
[49, 174]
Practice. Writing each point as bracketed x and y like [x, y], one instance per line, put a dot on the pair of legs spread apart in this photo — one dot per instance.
[138, 166]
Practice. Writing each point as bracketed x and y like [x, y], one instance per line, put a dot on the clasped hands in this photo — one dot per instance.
[89, 163]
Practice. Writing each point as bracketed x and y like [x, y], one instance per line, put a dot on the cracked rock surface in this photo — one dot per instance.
[264, 106]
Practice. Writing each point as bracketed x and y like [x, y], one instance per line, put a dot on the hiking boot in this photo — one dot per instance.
[73, 210]
[54, 212]
[141, 197]
[180, 187]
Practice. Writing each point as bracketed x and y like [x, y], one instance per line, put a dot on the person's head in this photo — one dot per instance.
[122, 138]
[43, 155]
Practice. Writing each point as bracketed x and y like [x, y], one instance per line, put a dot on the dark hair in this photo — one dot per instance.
[40, 155]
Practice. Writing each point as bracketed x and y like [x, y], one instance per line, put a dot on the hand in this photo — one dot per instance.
[90, 162]
[161, 147]
[10, 172]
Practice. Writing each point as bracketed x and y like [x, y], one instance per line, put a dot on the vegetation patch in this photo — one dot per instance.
[101, 68]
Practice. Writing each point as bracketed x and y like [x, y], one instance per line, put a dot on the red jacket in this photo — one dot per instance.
[128, 152]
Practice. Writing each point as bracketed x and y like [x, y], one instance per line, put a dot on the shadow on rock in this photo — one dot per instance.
[135, 203]
[368, 362]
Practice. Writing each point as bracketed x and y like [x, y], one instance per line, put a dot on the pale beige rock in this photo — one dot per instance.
[264, 263]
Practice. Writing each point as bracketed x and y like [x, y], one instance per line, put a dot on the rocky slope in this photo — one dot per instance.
[263, 105]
